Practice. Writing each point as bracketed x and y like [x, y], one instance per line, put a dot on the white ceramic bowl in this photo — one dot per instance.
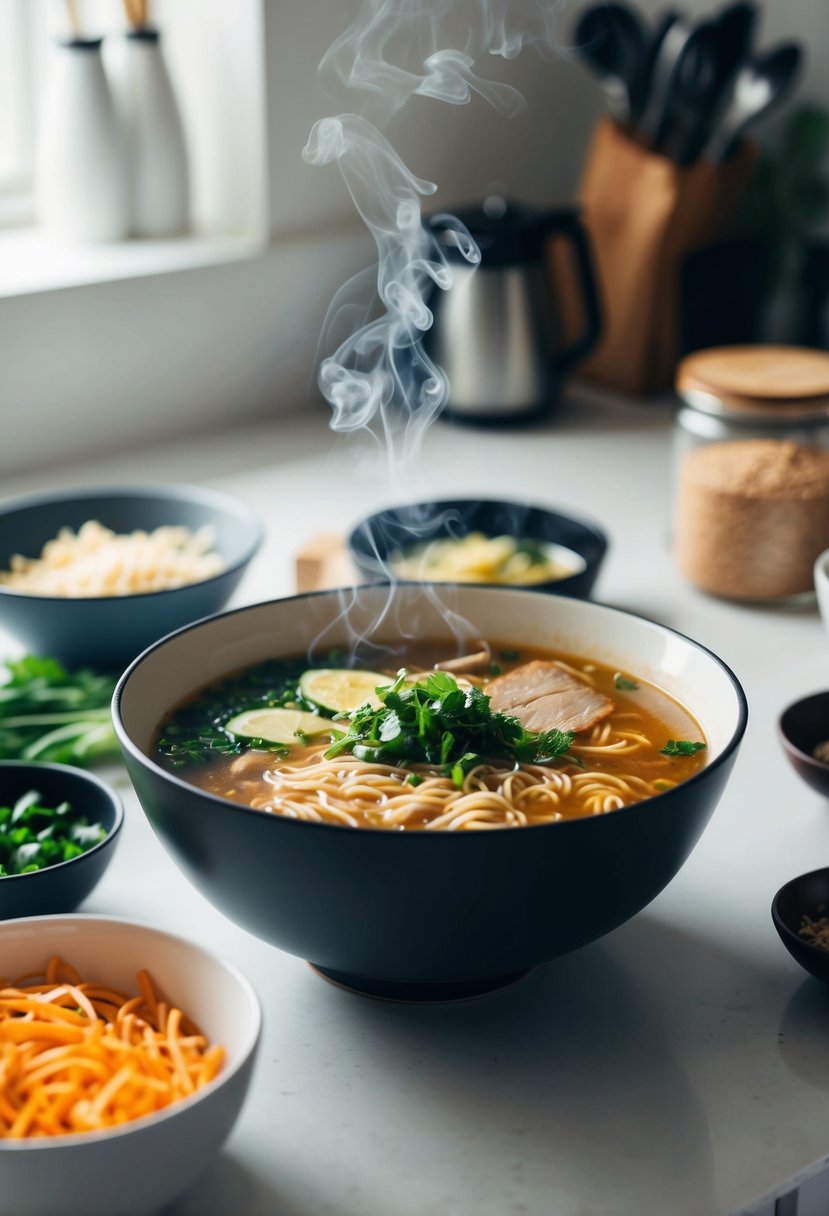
[143, 1166]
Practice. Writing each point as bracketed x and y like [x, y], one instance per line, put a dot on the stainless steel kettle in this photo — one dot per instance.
[497, 332]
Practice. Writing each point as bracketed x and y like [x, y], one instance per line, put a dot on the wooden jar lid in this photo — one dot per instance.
[760, 378]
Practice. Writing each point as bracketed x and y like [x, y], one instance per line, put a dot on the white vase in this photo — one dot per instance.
[156, 151]
[81, 191]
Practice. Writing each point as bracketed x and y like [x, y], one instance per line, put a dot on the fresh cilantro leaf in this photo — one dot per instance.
[436, 722]
[624, 684]
[681, 747]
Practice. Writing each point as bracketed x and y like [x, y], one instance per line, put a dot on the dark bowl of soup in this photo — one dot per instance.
[488, 542]
[409, 877]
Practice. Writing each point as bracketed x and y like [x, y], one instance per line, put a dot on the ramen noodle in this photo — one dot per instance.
[620, 740]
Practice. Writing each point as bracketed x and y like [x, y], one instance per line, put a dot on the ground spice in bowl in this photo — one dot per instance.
[751, 518]
[815, 931]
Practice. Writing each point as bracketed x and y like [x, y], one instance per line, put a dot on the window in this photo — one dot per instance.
[16, 108]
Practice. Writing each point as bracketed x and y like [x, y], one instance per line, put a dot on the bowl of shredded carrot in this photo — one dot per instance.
[125, 1056]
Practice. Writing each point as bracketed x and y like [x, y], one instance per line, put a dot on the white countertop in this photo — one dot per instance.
[678, 1067]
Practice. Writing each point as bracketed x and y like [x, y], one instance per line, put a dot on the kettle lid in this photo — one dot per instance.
[505, 232]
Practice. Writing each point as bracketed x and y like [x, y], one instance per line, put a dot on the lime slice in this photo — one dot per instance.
[339, 689]
[279, 725]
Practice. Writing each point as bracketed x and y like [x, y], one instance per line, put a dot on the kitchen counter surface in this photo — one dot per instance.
[679, 1066]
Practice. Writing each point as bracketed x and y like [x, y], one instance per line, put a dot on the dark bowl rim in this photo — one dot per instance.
[820, 766]
[76, 1140]
[72, 772]
[581, 824]
[781, 926]
[591, 527]
[179, 491]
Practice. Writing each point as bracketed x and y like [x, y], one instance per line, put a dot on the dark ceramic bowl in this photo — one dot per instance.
[62, 887]
[374, 539]
[801, 727]
[108, 631]
[807, 895]
[425, 914]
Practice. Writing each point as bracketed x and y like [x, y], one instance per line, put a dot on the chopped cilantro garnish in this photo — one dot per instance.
[437, 722]
[681, 747]
[624, 683]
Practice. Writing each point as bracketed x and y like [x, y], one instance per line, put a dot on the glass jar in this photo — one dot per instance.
[751, 455]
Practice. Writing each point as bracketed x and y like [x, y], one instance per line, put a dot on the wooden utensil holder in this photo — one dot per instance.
[645, 214]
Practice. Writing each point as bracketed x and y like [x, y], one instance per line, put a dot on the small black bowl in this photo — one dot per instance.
[108, 631]
[374, 539]
[59, 888]
[807, 895]
[801, 726]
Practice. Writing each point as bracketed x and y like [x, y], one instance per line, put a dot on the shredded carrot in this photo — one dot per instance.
[77, 1056]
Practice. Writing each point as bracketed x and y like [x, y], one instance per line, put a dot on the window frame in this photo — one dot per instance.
[17, 186]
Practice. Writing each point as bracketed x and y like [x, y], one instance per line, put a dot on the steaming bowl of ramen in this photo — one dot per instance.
[491, 543]
[522, 774]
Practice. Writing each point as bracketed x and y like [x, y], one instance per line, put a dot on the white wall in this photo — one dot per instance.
[95, 367]
[537, 155]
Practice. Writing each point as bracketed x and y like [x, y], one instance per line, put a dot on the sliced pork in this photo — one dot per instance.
[543, 696]
[479, 661]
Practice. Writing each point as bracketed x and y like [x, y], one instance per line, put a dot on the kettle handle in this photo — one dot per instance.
[569, 226]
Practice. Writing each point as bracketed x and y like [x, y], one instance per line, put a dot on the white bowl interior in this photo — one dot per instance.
[202, 655]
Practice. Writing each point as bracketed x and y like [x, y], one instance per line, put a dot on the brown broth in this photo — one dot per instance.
[647, 711]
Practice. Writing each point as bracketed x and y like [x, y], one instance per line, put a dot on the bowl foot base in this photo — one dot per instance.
[417, 992]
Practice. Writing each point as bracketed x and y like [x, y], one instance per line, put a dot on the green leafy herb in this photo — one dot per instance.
[624, 683]
[437, 722]
[196, 732]
[495, 669]
[509, 656]
[34, 836]
[681, 747]
[535, 550]
[47, 713]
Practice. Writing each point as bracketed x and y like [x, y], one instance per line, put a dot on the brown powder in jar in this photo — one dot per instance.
[752, 517]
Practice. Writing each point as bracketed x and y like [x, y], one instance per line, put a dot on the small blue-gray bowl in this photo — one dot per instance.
[108, 631]
[61, 887]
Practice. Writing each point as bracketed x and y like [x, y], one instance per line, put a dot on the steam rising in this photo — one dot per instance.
[379, 377]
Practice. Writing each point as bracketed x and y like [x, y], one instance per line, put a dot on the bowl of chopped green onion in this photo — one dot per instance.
[58, 831]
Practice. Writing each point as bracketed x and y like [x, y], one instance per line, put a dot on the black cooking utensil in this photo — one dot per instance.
[761, 84]
[700, 104]
[663, 57]
[736, 25]
[691, 85]
[610, 39]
